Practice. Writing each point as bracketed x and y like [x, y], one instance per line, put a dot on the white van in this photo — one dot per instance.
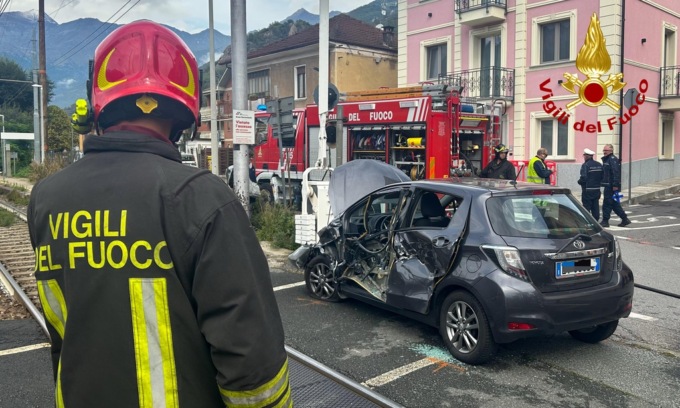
[189, 160]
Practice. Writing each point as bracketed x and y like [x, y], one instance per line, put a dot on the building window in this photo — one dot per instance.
[666, 142]
[258, 84]
[553, 38]
[436, 61]
[555, 41]
[300, 82]
[554, 136]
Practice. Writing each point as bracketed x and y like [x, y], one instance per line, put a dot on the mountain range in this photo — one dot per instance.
[70, 46]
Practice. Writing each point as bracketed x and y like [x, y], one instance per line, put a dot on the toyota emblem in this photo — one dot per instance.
[579, 244]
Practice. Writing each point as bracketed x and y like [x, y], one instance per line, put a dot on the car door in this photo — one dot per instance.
[424, 252]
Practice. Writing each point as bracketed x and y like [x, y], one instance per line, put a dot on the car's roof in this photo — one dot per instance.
[483, 185]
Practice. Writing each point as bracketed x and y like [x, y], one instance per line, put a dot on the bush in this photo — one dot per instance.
[51, 165]
[274, 223]
[17, 197]
[6, 218]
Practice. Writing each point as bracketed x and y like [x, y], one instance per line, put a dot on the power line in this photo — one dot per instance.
[78, 47]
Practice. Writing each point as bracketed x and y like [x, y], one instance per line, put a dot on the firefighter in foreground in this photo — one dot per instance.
[500, 167]
[154, 286]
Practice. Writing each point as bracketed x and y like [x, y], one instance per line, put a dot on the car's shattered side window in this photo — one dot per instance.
[538, 216]
[434, 209]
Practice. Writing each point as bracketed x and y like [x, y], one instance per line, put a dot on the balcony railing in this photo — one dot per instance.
[670, 82]
[481, 12]
[483, 83]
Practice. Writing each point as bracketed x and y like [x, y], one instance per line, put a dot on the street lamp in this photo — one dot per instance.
[42, 123]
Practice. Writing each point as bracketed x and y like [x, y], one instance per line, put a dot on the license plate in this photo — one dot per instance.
[573, 269]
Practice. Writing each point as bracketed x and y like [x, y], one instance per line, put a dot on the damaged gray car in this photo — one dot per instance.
[485, 261]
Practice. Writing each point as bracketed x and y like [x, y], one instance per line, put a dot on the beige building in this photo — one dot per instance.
[361, 57]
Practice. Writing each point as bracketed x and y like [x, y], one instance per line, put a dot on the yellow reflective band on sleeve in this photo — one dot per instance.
[53, 303]
[154, 355]
[276, 391]
[58, 398]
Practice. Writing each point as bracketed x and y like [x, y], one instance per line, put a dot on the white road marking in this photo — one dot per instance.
[671, 199]
[639, 228]
[292, 285]
[397, 373]
[23, 349]
[642, 317]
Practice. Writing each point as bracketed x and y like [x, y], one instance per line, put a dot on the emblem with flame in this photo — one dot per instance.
[593, 61]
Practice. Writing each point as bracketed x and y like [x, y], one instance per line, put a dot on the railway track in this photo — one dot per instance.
[17, 264]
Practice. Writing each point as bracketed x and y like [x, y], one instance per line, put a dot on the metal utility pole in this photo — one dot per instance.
[239, 69]
[36, 106]
[214, 136]
[322, 161]
[43, 73]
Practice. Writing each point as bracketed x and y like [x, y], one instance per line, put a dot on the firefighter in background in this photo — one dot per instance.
[155, 289]
[538, 172]
[590, 180]
[611, 181]
[500, 167]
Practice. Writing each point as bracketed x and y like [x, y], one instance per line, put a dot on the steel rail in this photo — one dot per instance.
[19, 292]
[354, 386]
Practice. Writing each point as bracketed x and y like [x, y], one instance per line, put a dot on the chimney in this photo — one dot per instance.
[388, 36]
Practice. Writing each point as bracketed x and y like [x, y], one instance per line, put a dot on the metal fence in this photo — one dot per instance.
[467, 5]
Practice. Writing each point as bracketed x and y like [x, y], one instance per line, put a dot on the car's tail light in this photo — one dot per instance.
[618, 261]
[509, 261]
[520, 326]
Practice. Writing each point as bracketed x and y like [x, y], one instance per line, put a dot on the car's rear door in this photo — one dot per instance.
[424, 254]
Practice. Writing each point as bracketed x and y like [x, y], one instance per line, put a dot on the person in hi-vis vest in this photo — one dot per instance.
[538, 172]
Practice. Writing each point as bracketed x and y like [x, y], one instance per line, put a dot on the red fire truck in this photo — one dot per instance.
[427, 131]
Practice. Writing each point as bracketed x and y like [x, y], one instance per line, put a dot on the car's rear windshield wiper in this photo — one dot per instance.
[577, 236]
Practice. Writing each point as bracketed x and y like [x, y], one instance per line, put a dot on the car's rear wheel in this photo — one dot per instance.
[465, 329]
[319, 280]
[595, 334]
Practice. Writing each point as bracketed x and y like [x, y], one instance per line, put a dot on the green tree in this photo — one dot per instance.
[19, 94]
[59, 133]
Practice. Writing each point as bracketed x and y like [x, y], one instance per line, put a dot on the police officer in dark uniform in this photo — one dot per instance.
[590, 181]
[611, 181]
[500, 167]
[153, 284]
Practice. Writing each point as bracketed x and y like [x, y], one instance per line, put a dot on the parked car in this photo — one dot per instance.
[485, 261]
[189, 160]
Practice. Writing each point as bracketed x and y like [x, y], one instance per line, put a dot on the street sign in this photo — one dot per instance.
[244, 127]
[629, 97]
[286, 106]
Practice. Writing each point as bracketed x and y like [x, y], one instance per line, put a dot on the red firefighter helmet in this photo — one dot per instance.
[143, 68]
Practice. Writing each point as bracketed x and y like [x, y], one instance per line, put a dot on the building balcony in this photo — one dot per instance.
[669, 94]
[475, 13]
[483, 83]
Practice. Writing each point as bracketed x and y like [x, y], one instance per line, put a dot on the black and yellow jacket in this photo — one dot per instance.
[154, 286]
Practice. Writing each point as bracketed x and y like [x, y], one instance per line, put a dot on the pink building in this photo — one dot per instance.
[558, 72]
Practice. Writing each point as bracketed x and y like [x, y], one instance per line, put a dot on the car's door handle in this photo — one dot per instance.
[441, 242]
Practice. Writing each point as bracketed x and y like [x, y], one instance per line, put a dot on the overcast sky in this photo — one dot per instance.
[188, 15]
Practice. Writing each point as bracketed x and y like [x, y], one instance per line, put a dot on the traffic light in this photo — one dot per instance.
[333, 96]
[330, 132]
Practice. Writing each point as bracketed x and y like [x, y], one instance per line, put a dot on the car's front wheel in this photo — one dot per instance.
[319, 280]
[465, 329]
[595, 334]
